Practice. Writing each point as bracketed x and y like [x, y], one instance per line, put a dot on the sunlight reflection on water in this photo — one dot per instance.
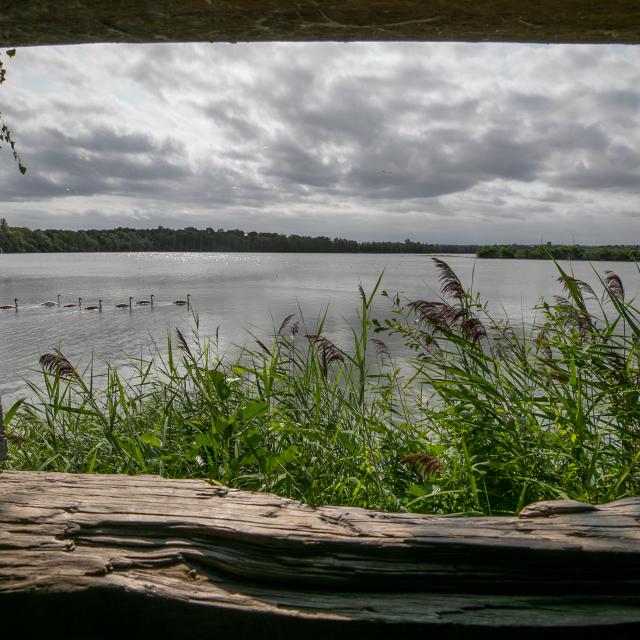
[240, 293]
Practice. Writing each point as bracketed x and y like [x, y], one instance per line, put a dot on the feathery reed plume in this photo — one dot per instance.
[614, 282]
[363, 296]
[427, 463]
[286, 323]
[584, 323]
[429, 345]
[473, 329]
[581, 317]
[542, 345]
[295, 328]
[576, 318]
[327, 351]
[57, 364]
[572, 284]
[182, 344]
[441, 315]
[381, 347]
[450, 284]
[584, 287]
[561, 301]
[505, 341]
[264, 347]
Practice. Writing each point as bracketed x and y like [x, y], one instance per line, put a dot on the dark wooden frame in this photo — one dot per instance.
[80, 21]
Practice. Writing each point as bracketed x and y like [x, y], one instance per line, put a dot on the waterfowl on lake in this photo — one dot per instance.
[124, 305]
[73, 304]
[146, 301]
[10, 306]
[94, 308]
[187, 301]
[51, 303]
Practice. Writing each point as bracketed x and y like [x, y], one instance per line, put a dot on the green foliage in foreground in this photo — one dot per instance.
[489, 416]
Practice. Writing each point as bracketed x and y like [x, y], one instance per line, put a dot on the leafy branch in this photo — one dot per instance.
[5, 132]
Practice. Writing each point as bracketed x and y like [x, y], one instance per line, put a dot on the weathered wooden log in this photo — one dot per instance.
[79, 21]
[98, 555]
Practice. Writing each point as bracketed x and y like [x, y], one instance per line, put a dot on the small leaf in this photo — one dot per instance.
[416, 490]
[204, 440]
[288, 455]
[151, 439]
[12, 410]
[11, 52]
[254, 410]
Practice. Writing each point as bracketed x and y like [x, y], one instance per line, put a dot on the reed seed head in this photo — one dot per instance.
[614, 282]
[427, 463]
[57, 364]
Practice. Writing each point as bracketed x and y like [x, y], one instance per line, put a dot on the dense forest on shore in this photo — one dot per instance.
[23, 240]
[621, 253]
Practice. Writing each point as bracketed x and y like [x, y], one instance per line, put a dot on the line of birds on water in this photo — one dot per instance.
[98, 307]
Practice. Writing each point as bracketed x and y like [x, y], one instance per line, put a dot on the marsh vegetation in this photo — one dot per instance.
[484, 415]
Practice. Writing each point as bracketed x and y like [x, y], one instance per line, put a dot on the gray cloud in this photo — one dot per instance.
[432, 141]
[97, 161]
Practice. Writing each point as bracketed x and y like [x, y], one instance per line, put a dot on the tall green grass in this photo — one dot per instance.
[482, 416]
[527, 413]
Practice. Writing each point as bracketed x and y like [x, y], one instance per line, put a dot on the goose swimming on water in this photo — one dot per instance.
[73, 304]
[124, 305]
[181, 302]
[51, 303]
[10, 306]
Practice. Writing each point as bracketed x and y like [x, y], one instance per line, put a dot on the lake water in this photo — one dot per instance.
[240, 293]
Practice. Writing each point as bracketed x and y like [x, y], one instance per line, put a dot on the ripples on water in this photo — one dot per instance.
[238, 292]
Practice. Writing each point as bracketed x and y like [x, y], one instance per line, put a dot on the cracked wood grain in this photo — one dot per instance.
[185, 548]
[39, 22]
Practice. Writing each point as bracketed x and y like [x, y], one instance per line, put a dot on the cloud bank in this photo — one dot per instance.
[436, 142]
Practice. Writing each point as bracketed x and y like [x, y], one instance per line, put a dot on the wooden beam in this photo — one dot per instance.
[94, 555]
[82, 21]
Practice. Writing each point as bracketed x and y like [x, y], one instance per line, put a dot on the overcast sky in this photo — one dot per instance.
[436, 142]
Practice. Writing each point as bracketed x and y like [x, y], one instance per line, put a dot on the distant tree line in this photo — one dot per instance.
[625, 253]
[23, 240]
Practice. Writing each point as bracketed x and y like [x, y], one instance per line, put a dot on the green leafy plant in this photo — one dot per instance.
[298, 416]
[524, 413]
[478, 415]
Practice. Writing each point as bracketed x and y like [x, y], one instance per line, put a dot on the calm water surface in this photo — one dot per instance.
[240, 293]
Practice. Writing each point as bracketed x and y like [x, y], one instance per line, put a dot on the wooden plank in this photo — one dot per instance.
[81, 21]
[168, 550]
